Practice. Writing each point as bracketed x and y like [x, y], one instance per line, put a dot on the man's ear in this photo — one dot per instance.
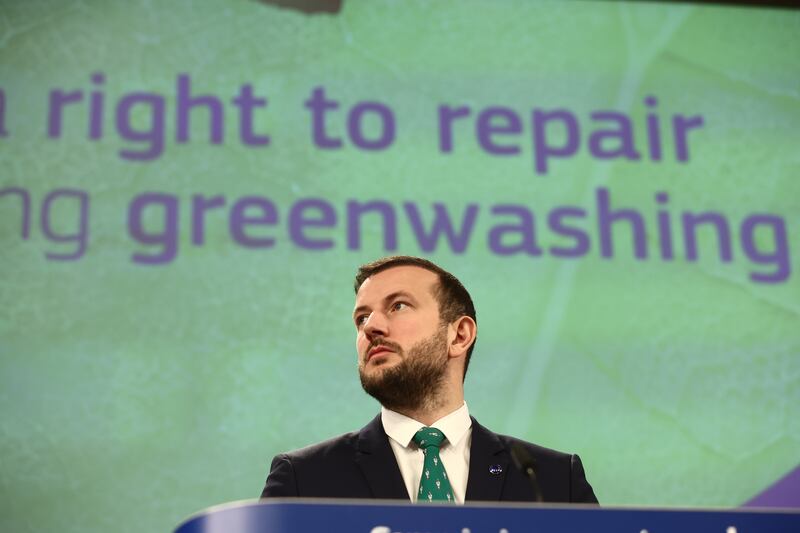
[461, 335]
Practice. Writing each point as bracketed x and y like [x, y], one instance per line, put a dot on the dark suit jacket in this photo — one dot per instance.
[362, 465]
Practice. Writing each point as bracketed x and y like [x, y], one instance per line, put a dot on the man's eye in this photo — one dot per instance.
[360, 319]
[398, 306]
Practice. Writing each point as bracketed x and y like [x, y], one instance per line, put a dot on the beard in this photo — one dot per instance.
[414, 381]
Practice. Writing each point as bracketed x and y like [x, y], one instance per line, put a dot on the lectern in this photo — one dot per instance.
[375, 516]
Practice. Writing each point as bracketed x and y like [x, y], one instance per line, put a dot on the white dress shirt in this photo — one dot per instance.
[457, 429]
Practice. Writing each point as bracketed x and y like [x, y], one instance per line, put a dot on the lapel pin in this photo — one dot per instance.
[495, 469]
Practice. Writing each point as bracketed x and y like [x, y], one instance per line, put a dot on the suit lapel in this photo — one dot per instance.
[487, 454]
[378, 464]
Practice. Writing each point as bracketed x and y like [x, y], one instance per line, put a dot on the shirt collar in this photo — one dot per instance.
[401, 428]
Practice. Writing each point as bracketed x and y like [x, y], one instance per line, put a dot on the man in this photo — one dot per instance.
[416, 328]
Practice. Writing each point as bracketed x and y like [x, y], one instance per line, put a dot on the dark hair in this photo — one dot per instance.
[454, 300]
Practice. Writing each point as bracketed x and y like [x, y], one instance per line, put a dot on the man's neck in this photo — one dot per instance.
[433, 410]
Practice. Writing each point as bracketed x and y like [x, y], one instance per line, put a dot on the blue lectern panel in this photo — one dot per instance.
[306, 516]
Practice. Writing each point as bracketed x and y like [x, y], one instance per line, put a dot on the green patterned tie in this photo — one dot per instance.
[433, 485]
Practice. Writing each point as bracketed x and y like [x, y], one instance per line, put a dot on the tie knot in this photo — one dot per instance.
[427, 437]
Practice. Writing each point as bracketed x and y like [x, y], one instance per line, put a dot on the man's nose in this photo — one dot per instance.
[376, 325]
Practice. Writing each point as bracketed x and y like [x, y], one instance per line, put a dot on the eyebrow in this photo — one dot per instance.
[386, 298]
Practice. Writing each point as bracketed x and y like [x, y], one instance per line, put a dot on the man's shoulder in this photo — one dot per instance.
[560, 475]
[535, 449]
[508, 442]
[327, 469]
[321, 450]
[345, 443]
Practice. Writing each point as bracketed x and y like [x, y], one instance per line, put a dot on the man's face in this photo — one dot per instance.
[401, 343]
